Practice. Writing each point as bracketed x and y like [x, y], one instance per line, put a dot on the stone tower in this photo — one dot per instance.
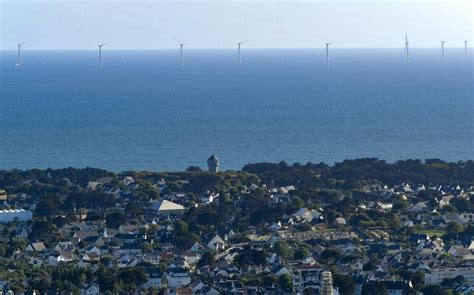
[213, 164]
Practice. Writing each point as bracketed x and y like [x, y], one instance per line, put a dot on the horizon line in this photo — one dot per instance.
[225, 48]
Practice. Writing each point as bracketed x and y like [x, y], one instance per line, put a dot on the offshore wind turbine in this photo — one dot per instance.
[442, 49]
[465, 49]
[327, 52]
[18, 59]
[407, 48]
[181, 53]
[101, 59]
[239, 44]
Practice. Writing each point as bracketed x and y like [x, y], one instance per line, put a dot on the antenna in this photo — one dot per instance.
[18, 59]
[465, 49]
[442, 49]
[407, 48]
[327, 52]
[238, 45]
[101, 59]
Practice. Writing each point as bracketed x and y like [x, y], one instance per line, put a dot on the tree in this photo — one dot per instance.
[115, 219]
[454, 228]
[375, 288]
[269, 280]
[434, 290]
[285, 281]
[250, 256]
[47, 206]
[132, 277]
[282, 249]
[330, 253]
[344, 283]
[369, 266]
[41, 230]
[180, 226]
[207, 258]
[147, 247]
[193, 169]
[185, 240]
[301, 253]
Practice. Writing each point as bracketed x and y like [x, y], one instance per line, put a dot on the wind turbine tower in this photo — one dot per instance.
[238, 45]
[327, 52]
[465, 49]
[407, 48]
[181, 53]
[442, 49]
[18, 59]
[101, 59]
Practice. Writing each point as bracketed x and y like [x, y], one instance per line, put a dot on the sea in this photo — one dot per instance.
[144, 111]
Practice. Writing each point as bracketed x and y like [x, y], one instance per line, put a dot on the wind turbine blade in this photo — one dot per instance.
[176, 39]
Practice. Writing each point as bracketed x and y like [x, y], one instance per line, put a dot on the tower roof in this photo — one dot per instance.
[213, 158]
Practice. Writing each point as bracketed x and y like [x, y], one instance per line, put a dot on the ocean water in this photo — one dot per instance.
[142, 111]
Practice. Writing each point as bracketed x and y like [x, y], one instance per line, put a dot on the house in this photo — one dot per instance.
[178, 277]
[11, 215]
[64, 247]
[449, 217]
[3, 195]
[445, 200]
[216, 243]
[209, 198]
[466, 218]
[459, 251]
[419, 207]
[92, 289]
[191, 257]
[35, 247]
[196, 247]
[395, 287]
[92, 185]
[66, 257]
[154, 278]
[436, 276]
[168, 209]
[339, 221]
[91, 257]
[275, 227]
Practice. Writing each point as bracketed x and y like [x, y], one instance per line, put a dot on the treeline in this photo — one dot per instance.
[351, 172]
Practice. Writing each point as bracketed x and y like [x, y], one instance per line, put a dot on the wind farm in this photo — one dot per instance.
[327, 58]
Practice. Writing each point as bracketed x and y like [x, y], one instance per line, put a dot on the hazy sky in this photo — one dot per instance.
[220, 24]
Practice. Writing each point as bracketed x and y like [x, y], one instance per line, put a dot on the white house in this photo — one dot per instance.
[179, 279]
[167, 208]
[216, 243]
[436, 276]
[10, 215]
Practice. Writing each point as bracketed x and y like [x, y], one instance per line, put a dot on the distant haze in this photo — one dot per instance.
[220, 24]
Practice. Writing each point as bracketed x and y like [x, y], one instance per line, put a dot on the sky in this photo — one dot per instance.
[132, 24]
